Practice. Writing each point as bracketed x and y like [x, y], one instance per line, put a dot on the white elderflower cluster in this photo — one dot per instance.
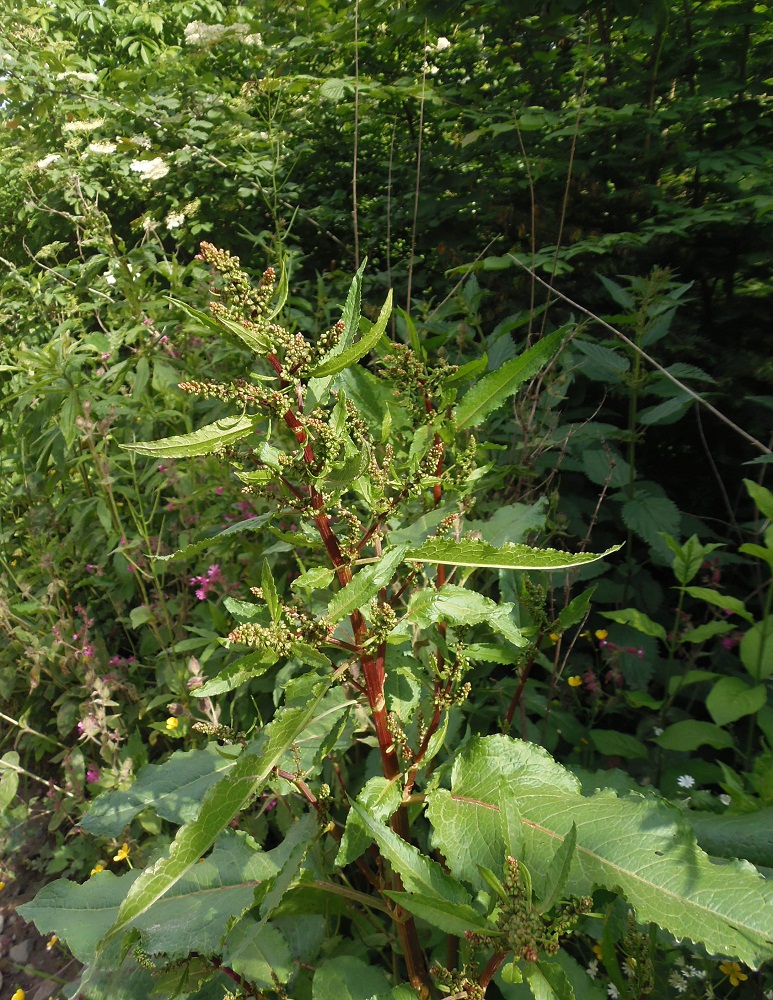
[85, 126]
[102, 147]
[202, 34]
[47, 161]
[141, 140]
[174, 220]
[76, 75]
[151, 170]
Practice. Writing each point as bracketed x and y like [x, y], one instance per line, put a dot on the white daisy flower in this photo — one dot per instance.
[685, 781]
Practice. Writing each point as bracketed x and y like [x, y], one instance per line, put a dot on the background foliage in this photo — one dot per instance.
[620, 149]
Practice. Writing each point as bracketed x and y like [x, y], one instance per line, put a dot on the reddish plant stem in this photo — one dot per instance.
[496, 961]
[525, 671]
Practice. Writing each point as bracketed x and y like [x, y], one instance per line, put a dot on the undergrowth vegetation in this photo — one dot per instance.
[398, 625]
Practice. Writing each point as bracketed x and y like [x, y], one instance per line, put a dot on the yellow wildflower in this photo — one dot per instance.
[123, 854]
[19, 995]
[554, 636]
[51, 943]
[172, 723]
[2, 886]
[597, 950]
[98, 867]
[733, 972]
[575, 681]
[601, 633]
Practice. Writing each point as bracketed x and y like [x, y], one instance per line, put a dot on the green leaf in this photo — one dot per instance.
[381, 798]
[614, 744]
[731, 698]
[361, 348]
[259, 953]
[638, 620]
[480, 554]
[450, 918]
[366, 583]
[493, 389]
[575, 610]
[237, 673]
[635, 845]
[547, 981]
[201, 442]
[218, 807]
[174, 789]
[251, 524]
[248, 335]
[558, 872]
[689, 557]
[730, 835]
[420, 874]
[718, 600]
[512, 523]
[346, 977]
[763, 498]
[690, 734]
[649, 515]
[9, 779]
[459, 606]
[756, 649]
[313, 579]
[318, 389]
[270, 595]
[702, 633]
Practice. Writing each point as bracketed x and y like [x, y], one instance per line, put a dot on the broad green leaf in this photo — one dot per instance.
[689, 557]
[547, 981]
[638, 620]
[756, 649]
[733, 835]
[201, 442]
[702, 633]
[718, 600]
[512, 523]
[313, 579]
[381, 798]
[575, 610]
[731, 698]
[174, 789]
[346, 977]
[420, 874]
[691, 734]
[493, 389]
[366, 583]
[614, 744]
[635, 845]
[649, 515]
[363, 346]
[451, 918]
[259, 953]
[459, 606]
[248, 335]
[221, 803]
[480, 554]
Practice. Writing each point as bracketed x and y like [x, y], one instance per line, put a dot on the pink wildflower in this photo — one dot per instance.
[92, 775]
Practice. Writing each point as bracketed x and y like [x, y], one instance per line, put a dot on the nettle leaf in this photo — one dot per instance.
[174, 789]
[459, 606]
[649, 515]
[493, 389]
[201, 442]
[637, 846]
[366, 583]
[221, 803]
[363, 346]
[483, 555]
[419, 874]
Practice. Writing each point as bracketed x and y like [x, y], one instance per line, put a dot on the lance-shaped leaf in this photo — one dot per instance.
[380, 797]
[250, 524]
[420, 874]
[365, 584]
[248, 335]
[221, 803]
[492, 390]
[636, 846]
[451, 918]
[481, 554]
[201, 442]
[237, 673]
[361, 348]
